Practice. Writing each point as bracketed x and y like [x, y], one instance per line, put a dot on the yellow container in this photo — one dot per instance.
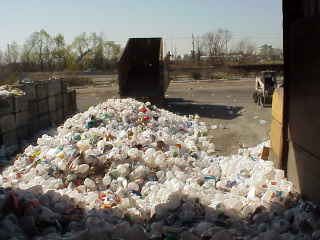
[277, 105]
[277, 127]
[276, 142]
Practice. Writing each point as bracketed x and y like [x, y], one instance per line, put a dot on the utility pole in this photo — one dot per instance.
[175, 51]
[198, 49]
[193, 55]
[171, 45]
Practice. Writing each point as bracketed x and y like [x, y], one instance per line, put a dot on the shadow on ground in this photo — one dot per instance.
[182, 106]
[31, 214]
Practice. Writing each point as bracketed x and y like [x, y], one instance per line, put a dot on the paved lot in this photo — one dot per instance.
[226, 104]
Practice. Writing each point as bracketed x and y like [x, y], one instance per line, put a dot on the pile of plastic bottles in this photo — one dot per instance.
[123, 149]
[7, 90]
[127, 155]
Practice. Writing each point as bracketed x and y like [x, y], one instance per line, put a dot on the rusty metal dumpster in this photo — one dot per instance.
[143, 73]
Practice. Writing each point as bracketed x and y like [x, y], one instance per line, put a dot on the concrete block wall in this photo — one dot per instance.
[46, 103]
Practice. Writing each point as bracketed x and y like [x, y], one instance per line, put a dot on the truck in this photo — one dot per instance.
[265, 84]
[143, 71]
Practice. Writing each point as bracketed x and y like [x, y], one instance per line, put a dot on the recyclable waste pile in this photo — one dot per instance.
[128, 170]
[7, 90]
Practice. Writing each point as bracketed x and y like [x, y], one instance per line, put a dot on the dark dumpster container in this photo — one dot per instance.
[142, 70]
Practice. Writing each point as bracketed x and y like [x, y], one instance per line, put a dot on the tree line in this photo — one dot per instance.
[44, 52]
[219, 45]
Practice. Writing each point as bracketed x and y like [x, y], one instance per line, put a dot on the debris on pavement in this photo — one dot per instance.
[213, 127]
[262, 122]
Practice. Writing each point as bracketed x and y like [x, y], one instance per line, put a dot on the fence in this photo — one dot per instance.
[46, 103]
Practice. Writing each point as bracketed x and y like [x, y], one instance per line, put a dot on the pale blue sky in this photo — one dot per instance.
[175, 20]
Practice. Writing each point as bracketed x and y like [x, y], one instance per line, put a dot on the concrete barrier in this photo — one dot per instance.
[7, 122]
[46, 103]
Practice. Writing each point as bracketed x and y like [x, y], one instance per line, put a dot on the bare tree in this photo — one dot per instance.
[193, 52]
[266, 50]
[200, 47]
[175, 52]
[213, 44]
[28, 57]
[246, 47]
[82, 46]
[11, 54]
[1, 57]
[240, 47]
[227, 36]
[217, 43]
[251, 48]
[44, 52]
[38, 49]
[111, 50]
[59, 52]
[92, 50]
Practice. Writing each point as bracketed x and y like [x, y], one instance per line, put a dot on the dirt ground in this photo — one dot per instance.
[225, 105]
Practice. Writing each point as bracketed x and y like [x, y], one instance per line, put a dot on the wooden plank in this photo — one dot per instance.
[277, 105]
[276, 137]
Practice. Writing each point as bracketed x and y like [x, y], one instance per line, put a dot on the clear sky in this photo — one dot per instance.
[174, 20]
